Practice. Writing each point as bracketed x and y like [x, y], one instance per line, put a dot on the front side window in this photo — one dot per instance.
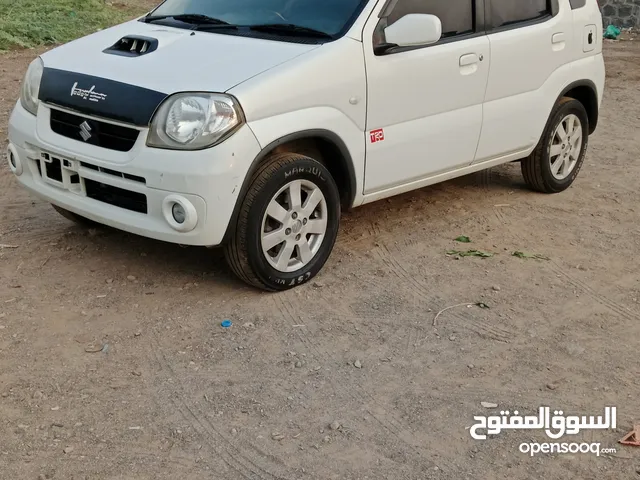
[457, 16]
[510, 12]
[330, 17]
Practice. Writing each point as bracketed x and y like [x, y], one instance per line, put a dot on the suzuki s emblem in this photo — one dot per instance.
[85, 131]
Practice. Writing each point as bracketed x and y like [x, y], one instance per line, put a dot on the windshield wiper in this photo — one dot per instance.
[290, 29]
[193, 18]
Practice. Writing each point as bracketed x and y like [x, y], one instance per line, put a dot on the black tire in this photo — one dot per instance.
[536, 169]
[74, 217]
[243, 251]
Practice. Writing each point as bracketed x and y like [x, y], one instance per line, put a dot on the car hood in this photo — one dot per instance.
[86, 76]
[183, 60]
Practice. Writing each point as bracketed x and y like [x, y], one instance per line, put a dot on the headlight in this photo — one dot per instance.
[194, 121]
[31, 86]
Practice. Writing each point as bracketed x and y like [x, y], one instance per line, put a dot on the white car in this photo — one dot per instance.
[251, 123]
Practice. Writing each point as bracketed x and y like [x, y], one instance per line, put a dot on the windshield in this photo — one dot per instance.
[326, 16]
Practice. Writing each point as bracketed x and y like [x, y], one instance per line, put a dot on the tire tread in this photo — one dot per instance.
[532, 165]
[236, 250]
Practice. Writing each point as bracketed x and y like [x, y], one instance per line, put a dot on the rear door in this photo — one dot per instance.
[530, 40]
[424, 106]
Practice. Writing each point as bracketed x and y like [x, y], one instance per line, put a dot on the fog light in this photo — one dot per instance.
[179, 215]
[14, 160]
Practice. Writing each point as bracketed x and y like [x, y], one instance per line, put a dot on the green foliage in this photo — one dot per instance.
[535, 256]
[30, 23]
[470, 253]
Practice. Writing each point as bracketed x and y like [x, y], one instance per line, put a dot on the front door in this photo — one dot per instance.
[424, 111]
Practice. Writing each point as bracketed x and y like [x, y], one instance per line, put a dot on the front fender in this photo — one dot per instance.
[325, 122]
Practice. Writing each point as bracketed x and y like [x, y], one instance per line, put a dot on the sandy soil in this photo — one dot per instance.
[173, 395]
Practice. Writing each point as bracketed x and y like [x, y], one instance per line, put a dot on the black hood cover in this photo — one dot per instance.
[99, 96]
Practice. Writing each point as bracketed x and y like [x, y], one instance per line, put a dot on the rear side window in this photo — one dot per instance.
[457, 16]
[510, 12]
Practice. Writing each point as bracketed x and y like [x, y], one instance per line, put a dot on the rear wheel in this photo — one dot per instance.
[74, 217]
[555, 163]
[287, 225]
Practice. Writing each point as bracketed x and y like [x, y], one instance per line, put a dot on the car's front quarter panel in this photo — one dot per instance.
[324, 90]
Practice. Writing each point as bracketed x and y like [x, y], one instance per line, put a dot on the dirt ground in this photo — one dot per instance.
[173, 395]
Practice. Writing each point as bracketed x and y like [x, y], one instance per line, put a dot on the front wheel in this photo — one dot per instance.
[287, 225]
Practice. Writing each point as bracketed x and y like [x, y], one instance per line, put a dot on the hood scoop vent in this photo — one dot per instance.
[133, 46]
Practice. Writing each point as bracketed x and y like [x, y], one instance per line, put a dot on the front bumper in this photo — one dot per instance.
[133, 191]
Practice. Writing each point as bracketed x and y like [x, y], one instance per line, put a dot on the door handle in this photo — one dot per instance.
[469, 59]
[557, 38]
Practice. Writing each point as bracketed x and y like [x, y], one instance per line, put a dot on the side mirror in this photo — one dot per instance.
[414, 29]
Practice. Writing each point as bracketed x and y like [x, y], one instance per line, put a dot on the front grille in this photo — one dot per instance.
[134, 201]
[102, 134]
[115, 173]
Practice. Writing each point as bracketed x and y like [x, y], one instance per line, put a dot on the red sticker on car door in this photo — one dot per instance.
[377, 135]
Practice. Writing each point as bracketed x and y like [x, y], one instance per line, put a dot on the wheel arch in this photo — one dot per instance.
[585, 92]
[320, 144]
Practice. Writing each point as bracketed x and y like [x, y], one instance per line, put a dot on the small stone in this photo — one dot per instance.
[489, 405]
[55, 409]
[109, 281]
[93, 348]
[471, 366]
[138, 333]
[277, 436]
[68, 450]
[335, 425]
[496, 288]
[327, 439]
[234, 431]
[318, 284]
[574, 349]
[131, 278]
[453, 338]
[552, 386]
[248, 325]
[298, 364]
[137, 373]
[357, 364]
[37, 395]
